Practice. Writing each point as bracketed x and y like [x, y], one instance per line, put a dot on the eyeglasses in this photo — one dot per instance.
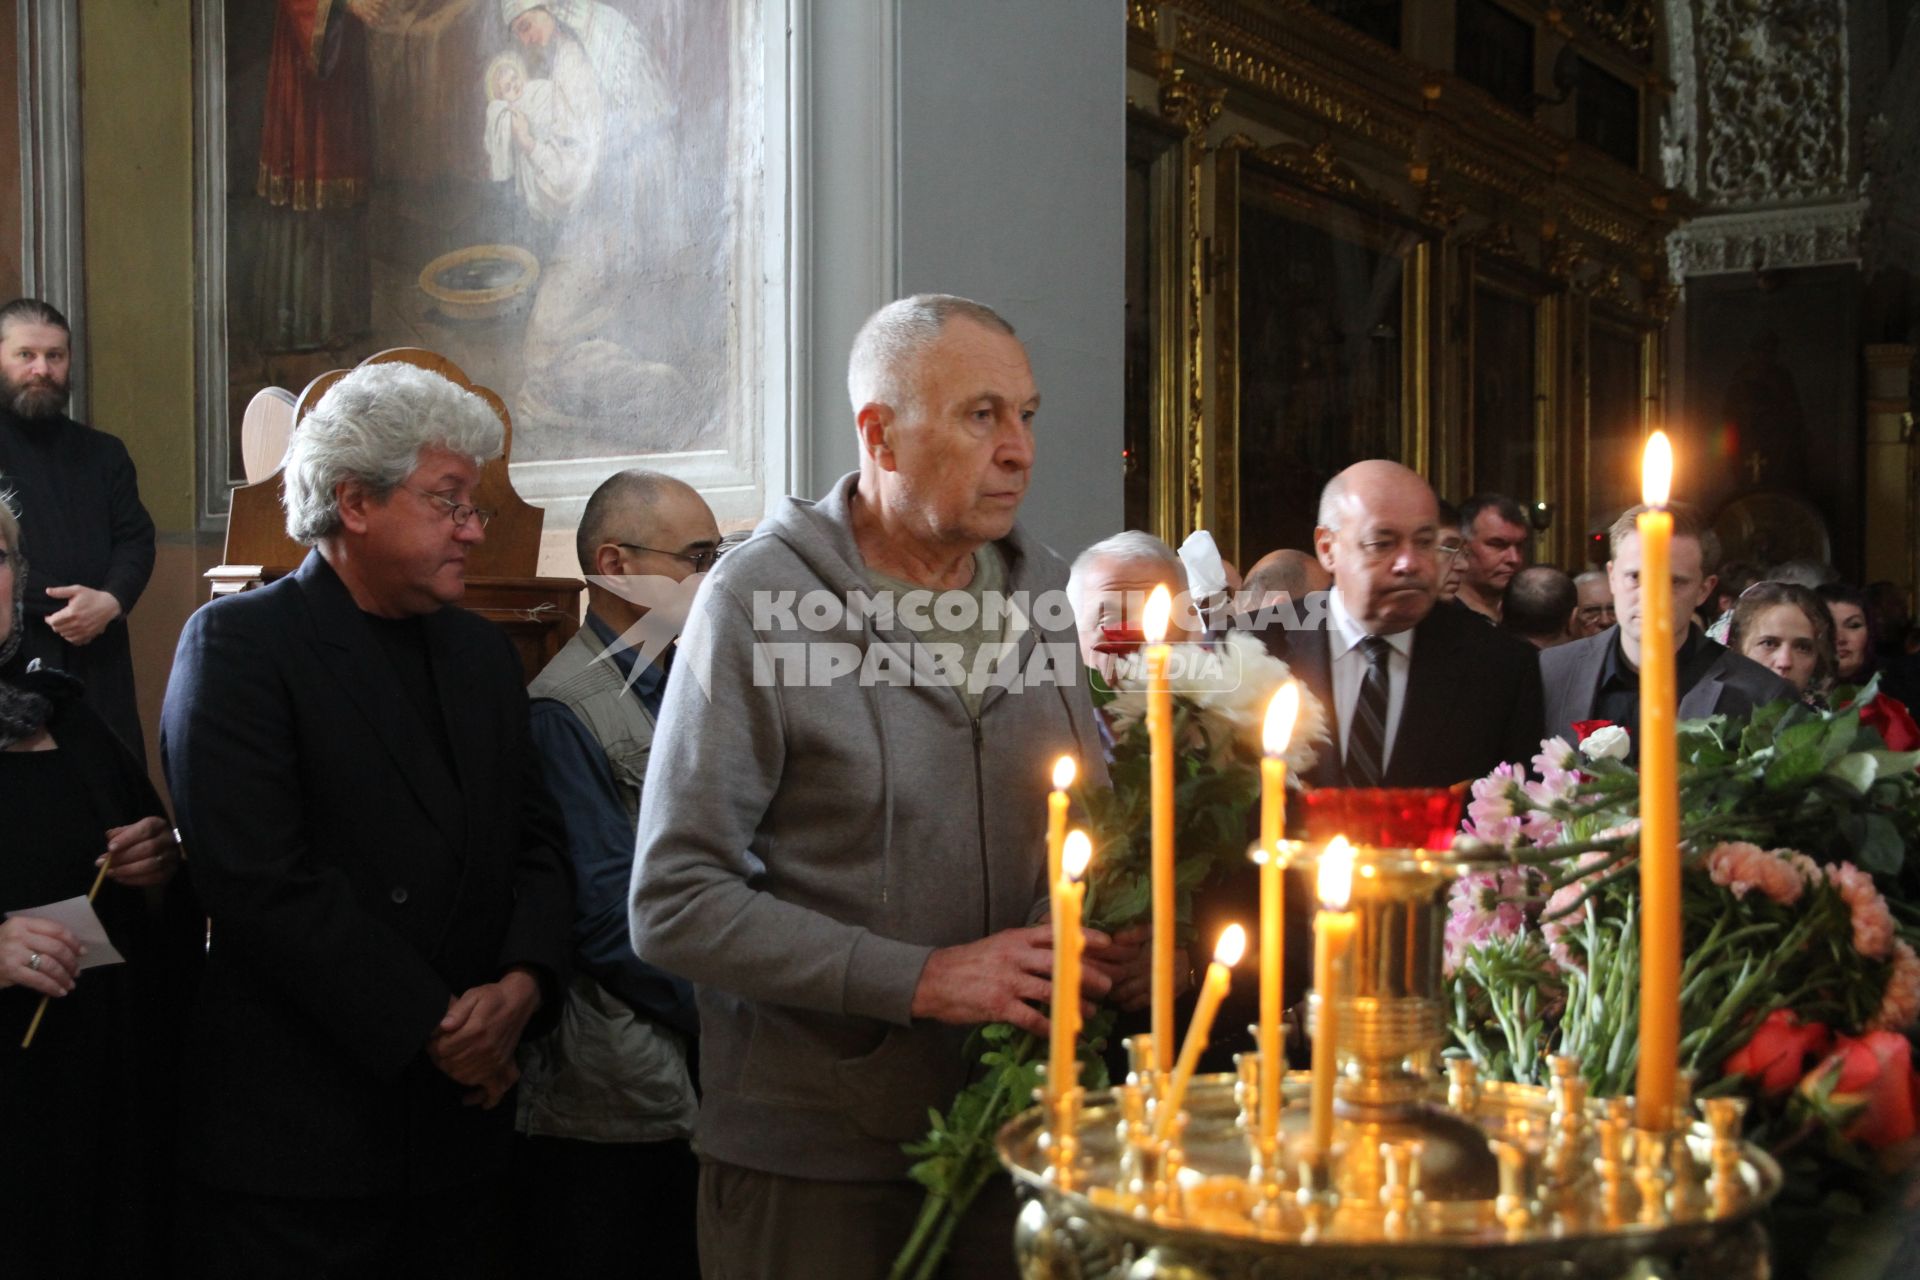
[701, 560]
[458, 512]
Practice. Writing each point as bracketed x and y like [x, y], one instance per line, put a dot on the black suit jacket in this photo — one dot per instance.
[1473, 700]
[354, 886]
[1732, 686]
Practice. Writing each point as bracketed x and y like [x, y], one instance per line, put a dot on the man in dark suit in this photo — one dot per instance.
[1598, 678]
[384, 872]
[1418, 696]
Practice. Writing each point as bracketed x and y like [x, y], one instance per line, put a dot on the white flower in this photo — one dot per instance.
[1609, 743]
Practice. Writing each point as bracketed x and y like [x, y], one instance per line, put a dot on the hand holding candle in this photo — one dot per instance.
[1332, 929]
[1159, 613]
[1069, 894]
[1233, 944]
[1282, 711]
[1659, 800]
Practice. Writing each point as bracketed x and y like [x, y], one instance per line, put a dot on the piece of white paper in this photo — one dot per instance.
[76, 914]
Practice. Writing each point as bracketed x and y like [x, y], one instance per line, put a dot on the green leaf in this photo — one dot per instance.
[1875, 841]
[1855, 771]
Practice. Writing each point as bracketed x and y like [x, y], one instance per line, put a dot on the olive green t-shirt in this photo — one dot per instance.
[963, 626]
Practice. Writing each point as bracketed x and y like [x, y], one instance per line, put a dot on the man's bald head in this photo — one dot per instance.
[630, 506]
[1379, 528]
[1285, 572]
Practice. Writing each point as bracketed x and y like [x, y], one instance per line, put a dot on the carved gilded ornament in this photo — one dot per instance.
[1629, 24]
[1768, 240]
[1774, 80]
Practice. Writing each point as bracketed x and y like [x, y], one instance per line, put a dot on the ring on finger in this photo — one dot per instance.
[33, 960]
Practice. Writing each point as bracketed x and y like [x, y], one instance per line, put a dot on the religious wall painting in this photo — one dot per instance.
[1773, 392]
[1507, 359]
[1615, 411]
[558, 196]
[1323, 327]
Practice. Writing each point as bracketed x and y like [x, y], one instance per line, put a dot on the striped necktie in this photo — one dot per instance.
[1367, 739]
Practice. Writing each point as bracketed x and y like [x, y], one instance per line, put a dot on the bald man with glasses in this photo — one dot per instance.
[607, 1101]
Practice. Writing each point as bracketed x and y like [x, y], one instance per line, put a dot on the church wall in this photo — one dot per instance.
[137, 125]
[1012, 190]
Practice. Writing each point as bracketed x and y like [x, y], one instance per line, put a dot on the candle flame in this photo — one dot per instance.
[1282, 711]
[1336, 874]
[1232, 945]
[1075, 853]
[1064, 771]
[1656, 470]
[1159, 612]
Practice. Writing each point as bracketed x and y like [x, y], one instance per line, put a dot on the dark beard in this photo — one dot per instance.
[35, 401]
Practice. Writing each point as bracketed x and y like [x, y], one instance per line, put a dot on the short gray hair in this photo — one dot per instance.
[623, 491]
[371, 427]
[893, 338]
[1132, 546]
[1330, 499]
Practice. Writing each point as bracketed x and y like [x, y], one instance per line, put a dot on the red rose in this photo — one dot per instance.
[1587, 728]
[1778, 1051]
[1876, 1075]
[1895, 723]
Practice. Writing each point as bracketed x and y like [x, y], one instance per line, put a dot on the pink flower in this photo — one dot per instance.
[1555, 931]
[1490, 815]
[1482, 907]
[1872, 922]
[1556, 756]
[1742, 867]
[1901, 1003]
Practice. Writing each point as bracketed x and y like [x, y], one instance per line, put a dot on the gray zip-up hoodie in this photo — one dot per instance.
[804, 845]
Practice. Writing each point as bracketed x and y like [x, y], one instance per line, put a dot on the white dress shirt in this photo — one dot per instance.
[1350, 669]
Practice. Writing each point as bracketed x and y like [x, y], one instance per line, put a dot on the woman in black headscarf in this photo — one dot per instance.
[86, 1109]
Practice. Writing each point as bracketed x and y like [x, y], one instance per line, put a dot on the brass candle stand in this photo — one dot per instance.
[1429, 1175]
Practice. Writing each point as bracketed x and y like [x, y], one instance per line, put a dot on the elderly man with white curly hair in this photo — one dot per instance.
[383, 871]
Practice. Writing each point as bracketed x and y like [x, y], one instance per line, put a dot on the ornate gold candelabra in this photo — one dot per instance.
[1428, 1175]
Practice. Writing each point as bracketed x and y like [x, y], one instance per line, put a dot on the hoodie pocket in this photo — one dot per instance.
[887, 1092]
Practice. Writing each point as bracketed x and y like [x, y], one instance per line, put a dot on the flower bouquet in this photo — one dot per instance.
[1216, 732]
[1799, 980]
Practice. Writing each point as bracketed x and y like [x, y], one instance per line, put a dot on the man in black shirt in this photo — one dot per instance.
[1598, 678]
[80, 511]
[384, 871]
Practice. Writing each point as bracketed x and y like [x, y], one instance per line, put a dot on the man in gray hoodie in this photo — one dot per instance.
[841, 840]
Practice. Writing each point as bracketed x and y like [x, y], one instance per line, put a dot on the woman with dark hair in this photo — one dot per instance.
[1856, 660]
[85, 1108]
[1785, 628]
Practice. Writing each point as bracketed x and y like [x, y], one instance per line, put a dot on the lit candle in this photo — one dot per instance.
[1069, 893]
[1232, 945]
[1063, 774]
[1281, 713]
[1160, 736]
[1332, 928]
[1659, 800]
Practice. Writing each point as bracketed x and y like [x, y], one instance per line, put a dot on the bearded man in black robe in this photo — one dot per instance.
[80, 511]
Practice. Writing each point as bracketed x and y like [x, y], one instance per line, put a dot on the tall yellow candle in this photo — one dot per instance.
[1063, 774]
[1159, 612]
[1659, 801]
[1232, 945]
[1282, 711]
[1332, 930]
[1069, 895]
